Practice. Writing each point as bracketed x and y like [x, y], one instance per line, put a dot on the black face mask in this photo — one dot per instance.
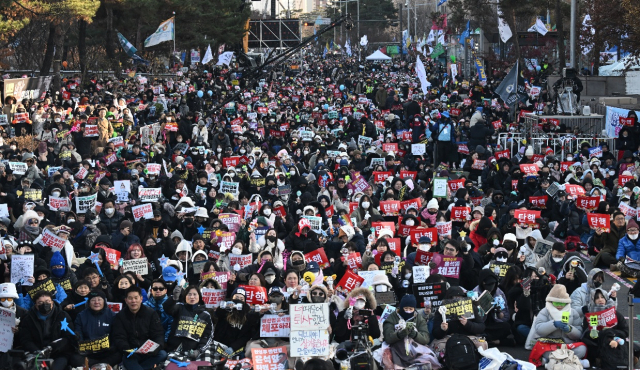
[188, 221]
[490, 287]
[238, 301]
[298, 262]
[317, 299]
[45, 308]
[273, 239]
[597, 284]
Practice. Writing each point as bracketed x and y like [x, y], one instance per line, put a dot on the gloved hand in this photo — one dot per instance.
[103, 281]
[621, 259]
[562, 326]
[402, 333]
[176, 292]
[348, 314]
[413, 333]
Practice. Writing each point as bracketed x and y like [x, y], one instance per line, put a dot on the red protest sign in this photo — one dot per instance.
[454, 112]
[353, 206]
[623, 179]
[255, 294]
[463, 148]
[390, 207]
[354, 261]
[454, 185]
[460, 214]
[537, 158]
[394, 245]
[565, 165]
[230, 162]
[626, 121]
[529, 169]
[606, 318]
[390, 147]
[466, 101]
[587, 203]
[539, 202]
[318, 256]
[417, 233]
[350, 281]
[113, 256]
[410, 174]
[423, 258]
[405, 230]
[269, 358]
[478, 164]
[503, 154]
[526, 217]
[383, 225]
[496, 124]
[280, 212]
[514, 184]
[476, 201]
[449, 266]
[599, 221]
[411, 203]
[380, 176]
[574, 190]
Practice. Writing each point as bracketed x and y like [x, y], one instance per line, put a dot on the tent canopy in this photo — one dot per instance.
[378, 55]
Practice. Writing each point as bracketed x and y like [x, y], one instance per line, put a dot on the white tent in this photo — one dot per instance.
[378, 55]
[618, 67]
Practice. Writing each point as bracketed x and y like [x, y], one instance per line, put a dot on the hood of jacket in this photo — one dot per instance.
[366, 293]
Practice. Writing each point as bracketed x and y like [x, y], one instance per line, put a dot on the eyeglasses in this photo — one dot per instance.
[158, 289]
[94, 277]
[33, 222]
[449, 249]
[6, 299]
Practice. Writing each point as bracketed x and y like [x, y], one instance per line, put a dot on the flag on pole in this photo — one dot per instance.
[347, 47]
[208, 56]
[431, 38]
[221, 49]
[422, 76]
[503, 27]
[130, 50]
[225, 58]
[465, 34]
[511, 90]
[441, 2]
[538, 27]
[164, 33]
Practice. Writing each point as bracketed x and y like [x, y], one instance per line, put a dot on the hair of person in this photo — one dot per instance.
[135, 289]
[42, 293]
[317, 364]
[159, 281]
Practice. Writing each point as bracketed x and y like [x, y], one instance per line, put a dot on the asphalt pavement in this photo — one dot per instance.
[520, 353]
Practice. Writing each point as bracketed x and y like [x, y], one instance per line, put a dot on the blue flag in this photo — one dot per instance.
[465, 34]
[441, 2]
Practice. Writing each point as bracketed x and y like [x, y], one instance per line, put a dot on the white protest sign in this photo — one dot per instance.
[57, 203]
[84, 204]
[241, 260]
[213, 297]
[368, 277]
[147, 347]
[143, 211]
[7, 323]
[52, 241]
[21, 268]
[418, 149]
[230, 187]
[149, 194]
[122, 186]
[153, 168]
[440, 187]
[275, 326]
[311, 316]
[4, 210]
[316, 223]
[4, 121]
[18, 168]
[309, 343]
[82, 173]
[137, 265]
[420, 274]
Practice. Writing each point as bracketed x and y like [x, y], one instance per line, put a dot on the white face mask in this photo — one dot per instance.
[56, 194]
[270, 279]
[109, 211]
[292, 172]
[569, 159]
[365, 204]
[359, 304]
[70, 221]
[505, 260]
[407, 275]
[410, 223]
[242, 151]
[424, 247]
[381, 288]
[267, 212]
[633, 236]
[7, 304]
[236, 251]
[57, 119]
[557, 260]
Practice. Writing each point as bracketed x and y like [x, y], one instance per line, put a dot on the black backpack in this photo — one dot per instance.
[460, 353]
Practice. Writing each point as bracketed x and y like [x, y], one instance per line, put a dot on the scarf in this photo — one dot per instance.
[556, 314]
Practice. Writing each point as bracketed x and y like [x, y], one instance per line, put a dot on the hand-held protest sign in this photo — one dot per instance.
[275, 326]
[526, 218]
[213, 297]
[137, 265]
[52, 241]
[309, 334]
[601, 222]
[22, 268]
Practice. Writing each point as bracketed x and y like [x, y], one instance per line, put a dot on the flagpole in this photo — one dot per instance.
[174, 33]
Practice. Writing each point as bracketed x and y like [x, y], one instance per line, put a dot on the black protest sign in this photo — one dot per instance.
[432, 292]
[459, 308]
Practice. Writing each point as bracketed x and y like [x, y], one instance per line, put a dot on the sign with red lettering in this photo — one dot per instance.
[599, 221]
[275, 326]
[213, 297]
[390, 147]
[448, 266]
[503, 154]
[318, 256]
[383, 225]
[454, 185]
[466, 101]
[230, 162]
[526, 217]
[539, 202]
[529, 169]
[350, 281]
[390, 207]
[606, 318]
[262, 110]
[52, 241]
[417, 233]
[444, 228]
[478, 164]
[463, 148]
[587, 203]
[460, 214]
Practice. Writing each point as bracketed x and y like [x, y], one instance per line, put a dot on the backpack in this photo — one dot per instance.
[460, 353]
[612, 358]
[563, 359]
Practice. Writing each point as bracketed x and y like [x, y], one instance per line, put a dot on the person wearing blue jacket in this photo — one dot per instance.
[628, 247]
[444, 134]
[93, 328]
[156, 300]
[41, 274]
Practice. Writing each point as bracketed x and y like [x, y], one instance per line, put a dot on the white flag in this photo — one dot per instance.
[364, 41]
[225, 58]
[454, 71]
[503, 27]
[422, 75]
[207, 56]
[163, 33]
[538, 27]
[347, 47]
[441, 40]
[431, 38]
[586, 23]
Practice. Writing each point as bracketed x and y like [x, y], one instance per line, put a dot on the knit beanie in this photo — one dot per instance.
[558, 294]
[631, 224]
[408, 301]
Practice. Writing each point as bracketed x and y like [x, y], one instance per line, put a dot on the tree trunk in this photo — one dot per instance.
[57, 58]
[560, 31]
[48, 54]
[82, 49]
[138, 43]
[111, 53]
[516, 42]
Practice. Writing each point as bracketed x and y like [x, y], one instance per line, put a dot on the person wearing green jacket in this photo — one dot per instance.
[415, 329]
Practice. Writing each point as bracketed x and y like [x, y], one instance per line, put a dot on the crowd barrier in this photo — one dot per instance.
[560, 144]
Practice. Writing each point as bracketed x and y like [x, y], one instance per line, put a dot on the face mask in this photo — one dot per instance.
[298, 262]
[359, 304]
[236, 251]
[317, 299]
[597, 284]
[407, 275]
[109, 211]
[267, 212]
[238, 301]
[365, 204]
[558, 259]
[45, 308]
[496, 242]
[569, 159]
[406, 315]
[272, 239]
[56, 194]
[381, 288]
[276, 300]
[179, 140]
[242, 151]
[270, 279]
[633, 236]
[409, 222]
[501, 259]
[13, 147]
[219, 150]
[57, 120]
[7, 304]
[424, 247]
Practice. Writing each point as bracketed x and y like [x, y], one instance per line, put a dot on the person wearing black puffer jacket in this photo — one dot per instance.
[192, 326]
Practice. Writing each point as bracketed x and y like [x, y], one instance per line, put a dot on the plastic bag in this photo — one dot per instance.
[493, 359]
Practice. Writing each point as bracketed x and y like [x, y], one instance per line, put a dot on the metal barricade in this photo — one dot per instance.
[583, 125]
[631, 299]
[560, 144]
[510, 141]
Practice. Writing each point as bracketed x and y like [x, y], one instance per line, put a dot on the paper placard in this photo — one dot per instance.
[368, 277]
[243, 260]
[143, 211]
[418, 149]
[213, 297]
[420, 274]
[309, 343]
[21, 268]
[459, 308]
[147, 347]
[275, 326]
[149, 194]
[7, 322]
[273, 358]
[18, 168]
[312, 316]
[52, 241]
[84, 204]
[430, 292]
[138, 266]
